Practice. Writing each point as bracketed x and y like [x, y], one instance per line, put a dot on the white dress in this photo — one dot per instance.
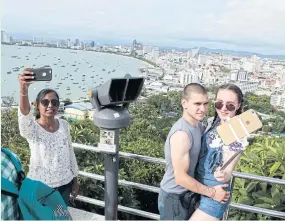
[52, 158]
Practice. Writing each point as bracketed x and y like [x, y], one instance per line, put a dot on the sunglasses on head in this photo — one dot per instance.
[54, 102]
[230, 106]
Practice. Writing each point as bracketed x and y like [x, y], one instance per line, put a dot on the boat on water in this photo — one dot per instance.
[9, 72]
[16, 69]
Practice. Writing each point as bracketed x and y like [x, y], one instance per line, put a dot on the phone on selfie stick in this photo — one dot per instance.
[41, 74]
[239, 127]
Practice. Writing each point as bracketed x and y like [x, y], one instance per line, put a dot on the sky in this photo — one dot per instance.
[244, 25]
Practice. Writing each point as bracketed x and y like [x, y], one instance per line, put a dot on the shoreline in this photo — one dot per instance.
[149, 63]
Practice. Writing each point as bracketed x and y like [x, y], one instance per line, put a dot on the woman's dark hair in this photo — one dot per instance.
[235, 89]
[40, 96]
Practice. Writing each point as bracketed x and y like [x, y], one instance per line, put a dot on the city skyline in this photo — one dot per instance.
[254, 26]
[58, 41]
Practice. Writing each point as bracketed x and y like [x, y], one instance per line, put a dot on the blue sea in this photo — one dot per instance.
[74, 71]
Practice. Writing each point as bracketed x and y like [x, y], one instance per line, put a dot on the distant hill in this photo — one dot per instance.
[241, 53]
[204, 50]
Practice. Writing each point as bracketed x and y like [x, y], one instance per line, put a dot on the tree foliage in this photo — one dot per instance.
[151, 122]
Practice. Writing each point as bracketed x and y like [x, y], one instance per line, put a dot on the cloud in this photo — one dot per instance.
[257, 24]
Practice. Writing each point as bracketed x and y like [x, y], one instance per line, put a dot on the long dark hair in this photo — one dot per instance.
[40, 96]
[235, 89]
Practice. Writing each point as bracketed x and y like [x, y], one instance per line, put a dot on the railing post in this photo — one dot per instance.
[226, 214]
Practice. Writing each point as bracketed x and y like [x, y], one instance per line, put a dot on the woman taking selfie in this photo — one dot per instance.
[214, 153]
[52, 158]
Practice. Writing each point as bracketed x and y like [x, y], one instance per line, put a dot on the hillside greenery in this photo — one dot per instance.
[146, 135]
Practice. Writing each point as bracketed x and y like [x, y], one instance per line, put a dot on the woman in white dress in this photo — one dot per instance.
[52, 158]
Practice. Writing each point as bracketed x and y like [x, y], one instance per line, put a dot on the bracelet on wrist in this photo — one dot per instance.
[24, 95]
[213, 193]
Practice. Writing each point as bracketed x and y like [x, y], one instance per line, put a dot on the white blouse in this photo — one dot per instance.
[52, 158]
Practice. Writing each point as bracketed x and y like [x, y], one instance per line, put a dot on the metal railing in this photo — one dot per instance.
[145, 214]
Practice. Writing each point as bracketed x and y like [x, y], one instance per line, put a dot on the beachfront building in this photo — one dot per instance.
[79, 111]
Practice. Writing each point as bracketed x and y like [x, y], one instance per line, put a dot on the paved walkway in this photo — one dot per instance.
[78, 214]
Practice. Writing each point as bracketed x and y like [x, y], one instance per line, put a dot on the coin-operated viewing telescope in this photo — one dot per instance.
[111, 101]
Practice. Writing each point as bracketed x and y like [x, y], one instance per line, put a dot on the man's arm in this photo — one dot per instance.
[180, 147]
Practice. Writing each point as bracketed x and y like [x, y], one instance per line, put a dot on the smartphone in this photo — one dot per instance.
[239, 127]
[41, 74]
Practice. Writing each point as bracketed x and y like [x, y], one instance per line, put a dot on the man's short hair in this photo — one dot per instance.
[193, 88]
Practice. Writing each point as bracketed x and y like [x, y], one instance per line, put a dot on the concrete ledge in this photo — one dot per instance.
[78, 214]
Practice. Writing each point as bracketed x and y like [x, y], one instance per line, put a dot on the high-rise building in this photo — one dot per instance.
[202, 59]
[92, 44]
[68, 43]
[188, 77]
[242, 75]
[4, 37]
[248, 66]
[63, 43]
[77, 42]
[278, 100]
[189, 54]
[248, 86]
[147, 49]
[134, 44]
[234, 75]
[195, 52]
[255, 61]
[155, 52]
[139, 52]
